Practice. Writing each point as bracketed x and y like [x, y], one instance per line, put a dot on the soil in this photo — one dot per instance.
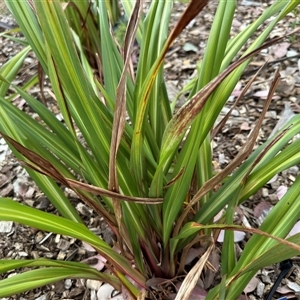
[19, 242]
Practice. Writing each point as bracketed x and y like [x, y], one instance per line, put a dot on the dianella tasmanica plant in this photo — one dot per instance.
[146, 169]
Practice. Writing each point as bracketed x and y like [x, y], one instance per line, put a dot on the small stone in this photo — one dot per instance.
[12, 275]
[6, 226]
[21, 186]
[23, 254]
[82, 251]
[59, 117]
[57, 238]
[271, 114]
[70, 193]
[39, 236]
[93, 284]
[49, 255]
[245, 126]
[222, 159]
[293, 99]
[43, 203]
[35, 254]
[266, 279]
[19, 246]
[61, 255]
[260, 289]
[29, 193]
[68, 284]
[75, 292]
[63, 245]
[294, 170]
[273, 198]
[83, 209]
[59, 287]
[265, 192]
[29, 202]
[292, 178]
[189, 47]
[234, 112]
[105, 291]
[71, 240]
[93, 295]
[275, 185]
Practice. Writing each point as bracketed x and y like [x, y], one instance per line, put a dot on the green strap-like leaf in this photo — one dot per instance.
[48, 222]
[55, 270]
[40, 277]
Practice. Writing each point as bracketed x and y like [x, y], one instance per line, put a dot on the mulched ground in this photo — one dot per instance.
[17, 241]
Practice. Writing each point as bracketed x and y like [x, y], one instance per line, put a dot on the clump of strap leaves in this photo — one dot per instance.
[144, 167]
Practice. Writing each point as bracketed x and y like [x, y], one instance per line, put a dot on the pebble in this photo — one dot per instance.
[260, 289]
[222, 158]
[29, 202]
[234, 112]
[20, 185]
[265, 192]
[266, 278]
[63, 245]
[273, 198]
[275, 185]
[68, 283]
[104, 293]
[19, 246]
[294, 170]
[271, 114]
[93, 284]
[29, 60]
[292, 178]
[29, 193]
[83, 209]
[61, 255]
[293, 99]
[49, 255]
[39, 236]
[43, 203]
[93, 295]
[6, 226]
[75, 292]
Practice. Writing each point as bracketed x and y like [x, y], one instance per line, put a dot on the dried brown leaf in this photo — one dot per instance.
[251, 286]
[243, 154]
[192, 277]
[44, 167]
[192, 10]
[221, 124]
[103, 192]
[120, 117]
[187, 113]
[252, 231]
